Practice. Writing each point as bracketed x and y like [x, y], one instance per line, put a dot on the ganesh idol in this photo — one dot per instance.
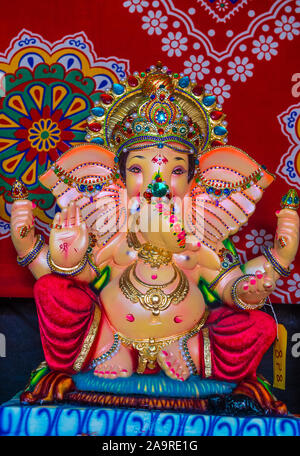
[148, 205]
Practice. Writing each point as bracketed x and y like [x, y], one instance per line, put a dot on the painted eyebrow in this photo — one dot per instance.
[178, 158]
[138, 156]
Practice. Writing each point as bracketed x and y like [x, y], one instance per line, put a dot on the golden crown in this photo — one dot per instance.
[159, 107]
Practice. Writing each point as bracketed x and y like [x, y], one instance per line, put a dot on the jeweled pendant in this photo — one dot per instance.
[159, 189]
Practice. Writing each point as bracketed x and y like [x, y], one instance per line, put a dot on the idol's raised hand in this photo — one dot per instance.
[286, 240]
[69, 238]
[22, 226]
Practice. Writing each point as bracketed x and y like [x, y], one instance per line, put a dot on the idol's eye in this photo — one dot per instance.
[178, 170]
[134, 169]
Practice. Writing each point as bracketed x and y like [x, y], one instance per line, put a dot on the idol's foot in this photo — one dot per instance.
[171, 360]
[120, 365]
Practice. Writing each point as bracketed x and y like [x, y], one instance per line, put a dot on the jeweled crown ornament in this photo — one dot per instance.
[157, 107]
[290, 200]
[19, 191]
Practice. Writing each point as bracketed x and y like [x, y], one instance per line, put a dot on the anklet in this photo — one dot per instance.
[107, 355]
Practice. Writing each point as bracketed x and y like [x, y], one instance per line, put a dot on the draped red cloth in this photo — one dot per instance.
[65, 310]
[65, 307]
[238, 341]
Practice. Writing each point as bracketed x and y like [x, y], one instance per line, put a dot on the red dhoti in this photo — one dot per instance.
[231, 345]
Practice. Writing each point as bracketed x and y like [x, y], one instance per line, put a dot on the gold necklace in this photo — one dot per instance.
[148, 253]
[154, 299]
[145, 284]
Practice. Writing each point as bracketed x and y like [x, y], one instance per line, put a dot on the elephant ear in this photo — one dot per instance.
[79, 175]
[227, 186]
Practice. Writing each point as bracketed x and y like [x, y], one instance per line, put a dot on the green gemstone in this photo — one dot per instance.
[143, 74]
[175, 75]
[117, 176]
[159, 189]
[66, 181]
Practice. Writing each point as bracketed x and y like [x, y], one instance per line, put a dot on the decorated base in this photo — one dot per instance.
[72, 420]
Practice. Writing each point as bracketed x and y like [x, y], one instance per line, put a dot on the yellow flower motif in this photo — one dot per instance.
[44, 135]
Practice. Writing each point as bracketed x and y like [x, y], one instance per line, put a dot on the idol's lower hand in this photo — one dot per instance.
[69, 238]
[22, 226]
[257, 288]
[286, 240]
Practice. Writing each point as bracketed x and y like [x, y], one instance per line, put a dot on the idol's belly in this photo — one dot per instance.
[135, 321]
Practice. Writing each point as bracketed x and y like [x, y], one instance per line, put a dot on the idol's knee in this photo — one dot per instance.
[265, 325]
[49, 284]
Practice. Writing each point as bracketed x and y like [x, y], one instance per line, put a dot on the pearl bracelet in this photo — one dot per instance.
[238, 302]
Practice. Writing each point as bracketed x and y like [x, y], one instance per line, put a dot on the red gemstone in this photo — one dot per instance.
[218, 192]
[158, 179]
[197, 90]
[16, 191]
[90, 188]
[197, 142]
[147, 195]
[215, 115]
[132, 81]
[161, 131]
[190, 134]
[106, 98]
[162, 97]
[216, 143]
[129, 131]
[95, 126]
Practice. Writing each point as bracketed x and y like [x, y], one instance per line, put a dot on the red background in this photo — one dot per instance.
[252, 108]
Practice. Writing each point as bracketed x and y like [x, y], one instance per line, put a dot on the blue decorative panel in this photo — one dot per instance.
[70, 420]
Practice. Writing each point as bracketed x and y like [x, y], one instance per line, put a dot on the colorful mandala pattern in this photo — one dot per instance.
[49, 90]
[289, 167]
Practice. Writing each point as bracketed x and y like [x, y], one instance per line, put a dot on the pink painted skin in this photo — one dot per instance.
[177, 320]
[154, 277]
[130, 317]
[245, 287]
[171, 368]
[252, 281]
